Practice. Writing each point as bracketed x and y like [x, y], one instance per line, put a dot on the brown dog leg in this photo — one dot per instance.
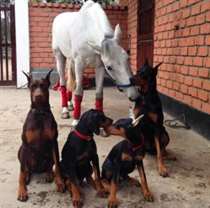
[75, 194]
[161, 167]
[113, 202]
[22, 189]
[144, 186]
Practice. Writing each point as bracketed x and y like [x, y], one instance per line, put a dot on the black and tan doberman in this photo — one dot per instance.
[79, 155]
[39, 150]
[155, 134]
[123, 159]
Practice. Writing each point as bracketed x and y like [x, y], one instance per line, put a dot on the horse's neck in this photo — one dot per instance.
[96, 23]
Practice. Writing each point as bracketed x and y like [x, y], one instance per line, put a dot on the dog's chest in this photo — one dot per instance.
[39, 129]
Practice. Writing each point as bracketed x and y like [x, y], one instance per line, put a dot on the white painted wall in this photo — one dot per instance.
[22, 40]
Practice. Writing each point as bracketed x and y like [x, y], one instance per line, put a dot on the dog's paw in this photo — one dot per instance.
[22, 194]
[148, 197]
[49, 177]
[113, 202]
[77, 202]
[163, 172]
[60, 184]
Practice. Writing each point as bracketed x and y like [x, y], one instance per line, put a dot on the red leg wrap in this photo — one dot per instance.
[63, 96]
[77, 106]
[99, 104]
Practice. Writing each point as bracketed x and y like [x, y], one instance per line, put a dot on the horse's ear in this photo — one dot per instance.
[47, 78]
[156, 68]
[117, 33]
[28, 76]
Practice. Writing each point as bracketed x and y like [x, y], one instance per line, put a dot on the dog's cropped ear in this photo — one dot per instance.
[156, 68]
[28, 76]
[47, 78]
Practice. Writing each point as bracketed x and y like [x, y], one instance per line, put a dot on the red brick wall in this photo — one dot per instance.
[182, 43]
[132, 32]
[40, 23]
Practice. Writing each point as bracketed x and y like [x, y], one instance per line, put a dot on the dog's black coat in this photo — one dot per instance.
[114, 168]
[77, 153]
[149, 101]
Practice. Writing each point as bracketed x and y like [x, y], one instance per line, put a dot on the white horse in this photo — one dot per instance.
[87, 39]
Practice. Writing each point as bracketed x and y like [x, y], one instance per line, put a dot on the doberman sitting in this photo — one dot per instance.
[79, 155]
[155, 134]
[124, 158]
[39, 150]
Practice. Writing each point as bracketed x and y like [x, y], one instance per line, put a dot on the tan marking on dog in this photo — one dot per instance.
[49, 133]
[126, 157]
[32, 135]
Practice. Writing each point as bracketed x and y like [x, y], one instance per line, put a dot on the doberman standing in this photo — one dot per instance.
[124, 158]
[39, 150]
[155, 134]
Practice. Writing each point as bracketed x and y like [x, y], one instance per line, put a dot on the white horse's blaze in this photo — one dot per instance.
[87, 38]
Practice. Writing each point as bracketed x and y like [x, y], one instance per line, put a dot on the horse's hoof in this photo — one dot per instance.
[65, 115]
[74, 122]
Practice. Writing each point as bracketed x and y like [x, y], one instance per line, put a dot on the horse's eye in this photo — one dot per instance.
[109, 68]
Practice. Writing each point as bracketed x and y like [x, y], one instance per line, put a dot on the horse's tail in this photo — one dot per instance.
[71, 83]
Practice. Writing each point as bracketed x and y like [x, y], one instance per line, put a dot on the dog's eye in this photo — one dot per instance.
[109, 68]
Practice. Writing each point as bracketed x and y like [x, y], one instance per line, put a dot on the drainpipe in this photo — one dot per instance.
[22, 41]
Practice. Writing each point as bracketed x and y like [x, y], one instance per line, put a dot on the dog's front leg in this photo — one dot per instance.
[112, 200]
[58, 180]
[144, 186]
[99, 187]
[161, 167]
[75, 194]
[22, 189]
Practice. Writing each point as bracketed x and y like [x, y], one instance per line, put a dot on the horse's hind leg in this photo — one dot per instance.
[60, 63]
[99, 79]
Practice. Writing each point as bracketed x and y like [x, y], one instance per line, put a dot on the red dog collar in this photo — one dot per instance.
[82, 136]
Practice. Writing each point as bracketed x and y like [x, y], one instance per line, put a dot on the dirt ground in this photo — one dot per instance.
[187, 187]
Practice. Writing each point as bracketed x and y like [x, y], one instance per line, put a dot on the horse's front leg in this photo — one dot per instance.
[78, 93]
[99, 79]
[60, 64]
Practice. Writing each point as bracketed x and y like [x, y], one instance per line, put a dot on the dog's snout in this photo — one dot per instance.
[38, 93]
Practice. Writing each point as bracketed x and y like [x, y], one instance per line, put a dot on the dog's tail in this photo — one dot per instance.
[71, 83]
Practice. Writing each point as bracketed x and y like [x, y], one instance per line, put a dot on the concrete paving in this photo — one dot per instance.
[188, 185]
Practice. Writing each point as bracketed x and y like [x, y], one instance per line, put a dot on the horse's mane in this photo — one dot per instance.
[96, 22]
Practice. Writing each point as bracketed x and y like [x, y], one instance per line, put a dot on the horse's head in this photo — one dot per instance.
[116, 63]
